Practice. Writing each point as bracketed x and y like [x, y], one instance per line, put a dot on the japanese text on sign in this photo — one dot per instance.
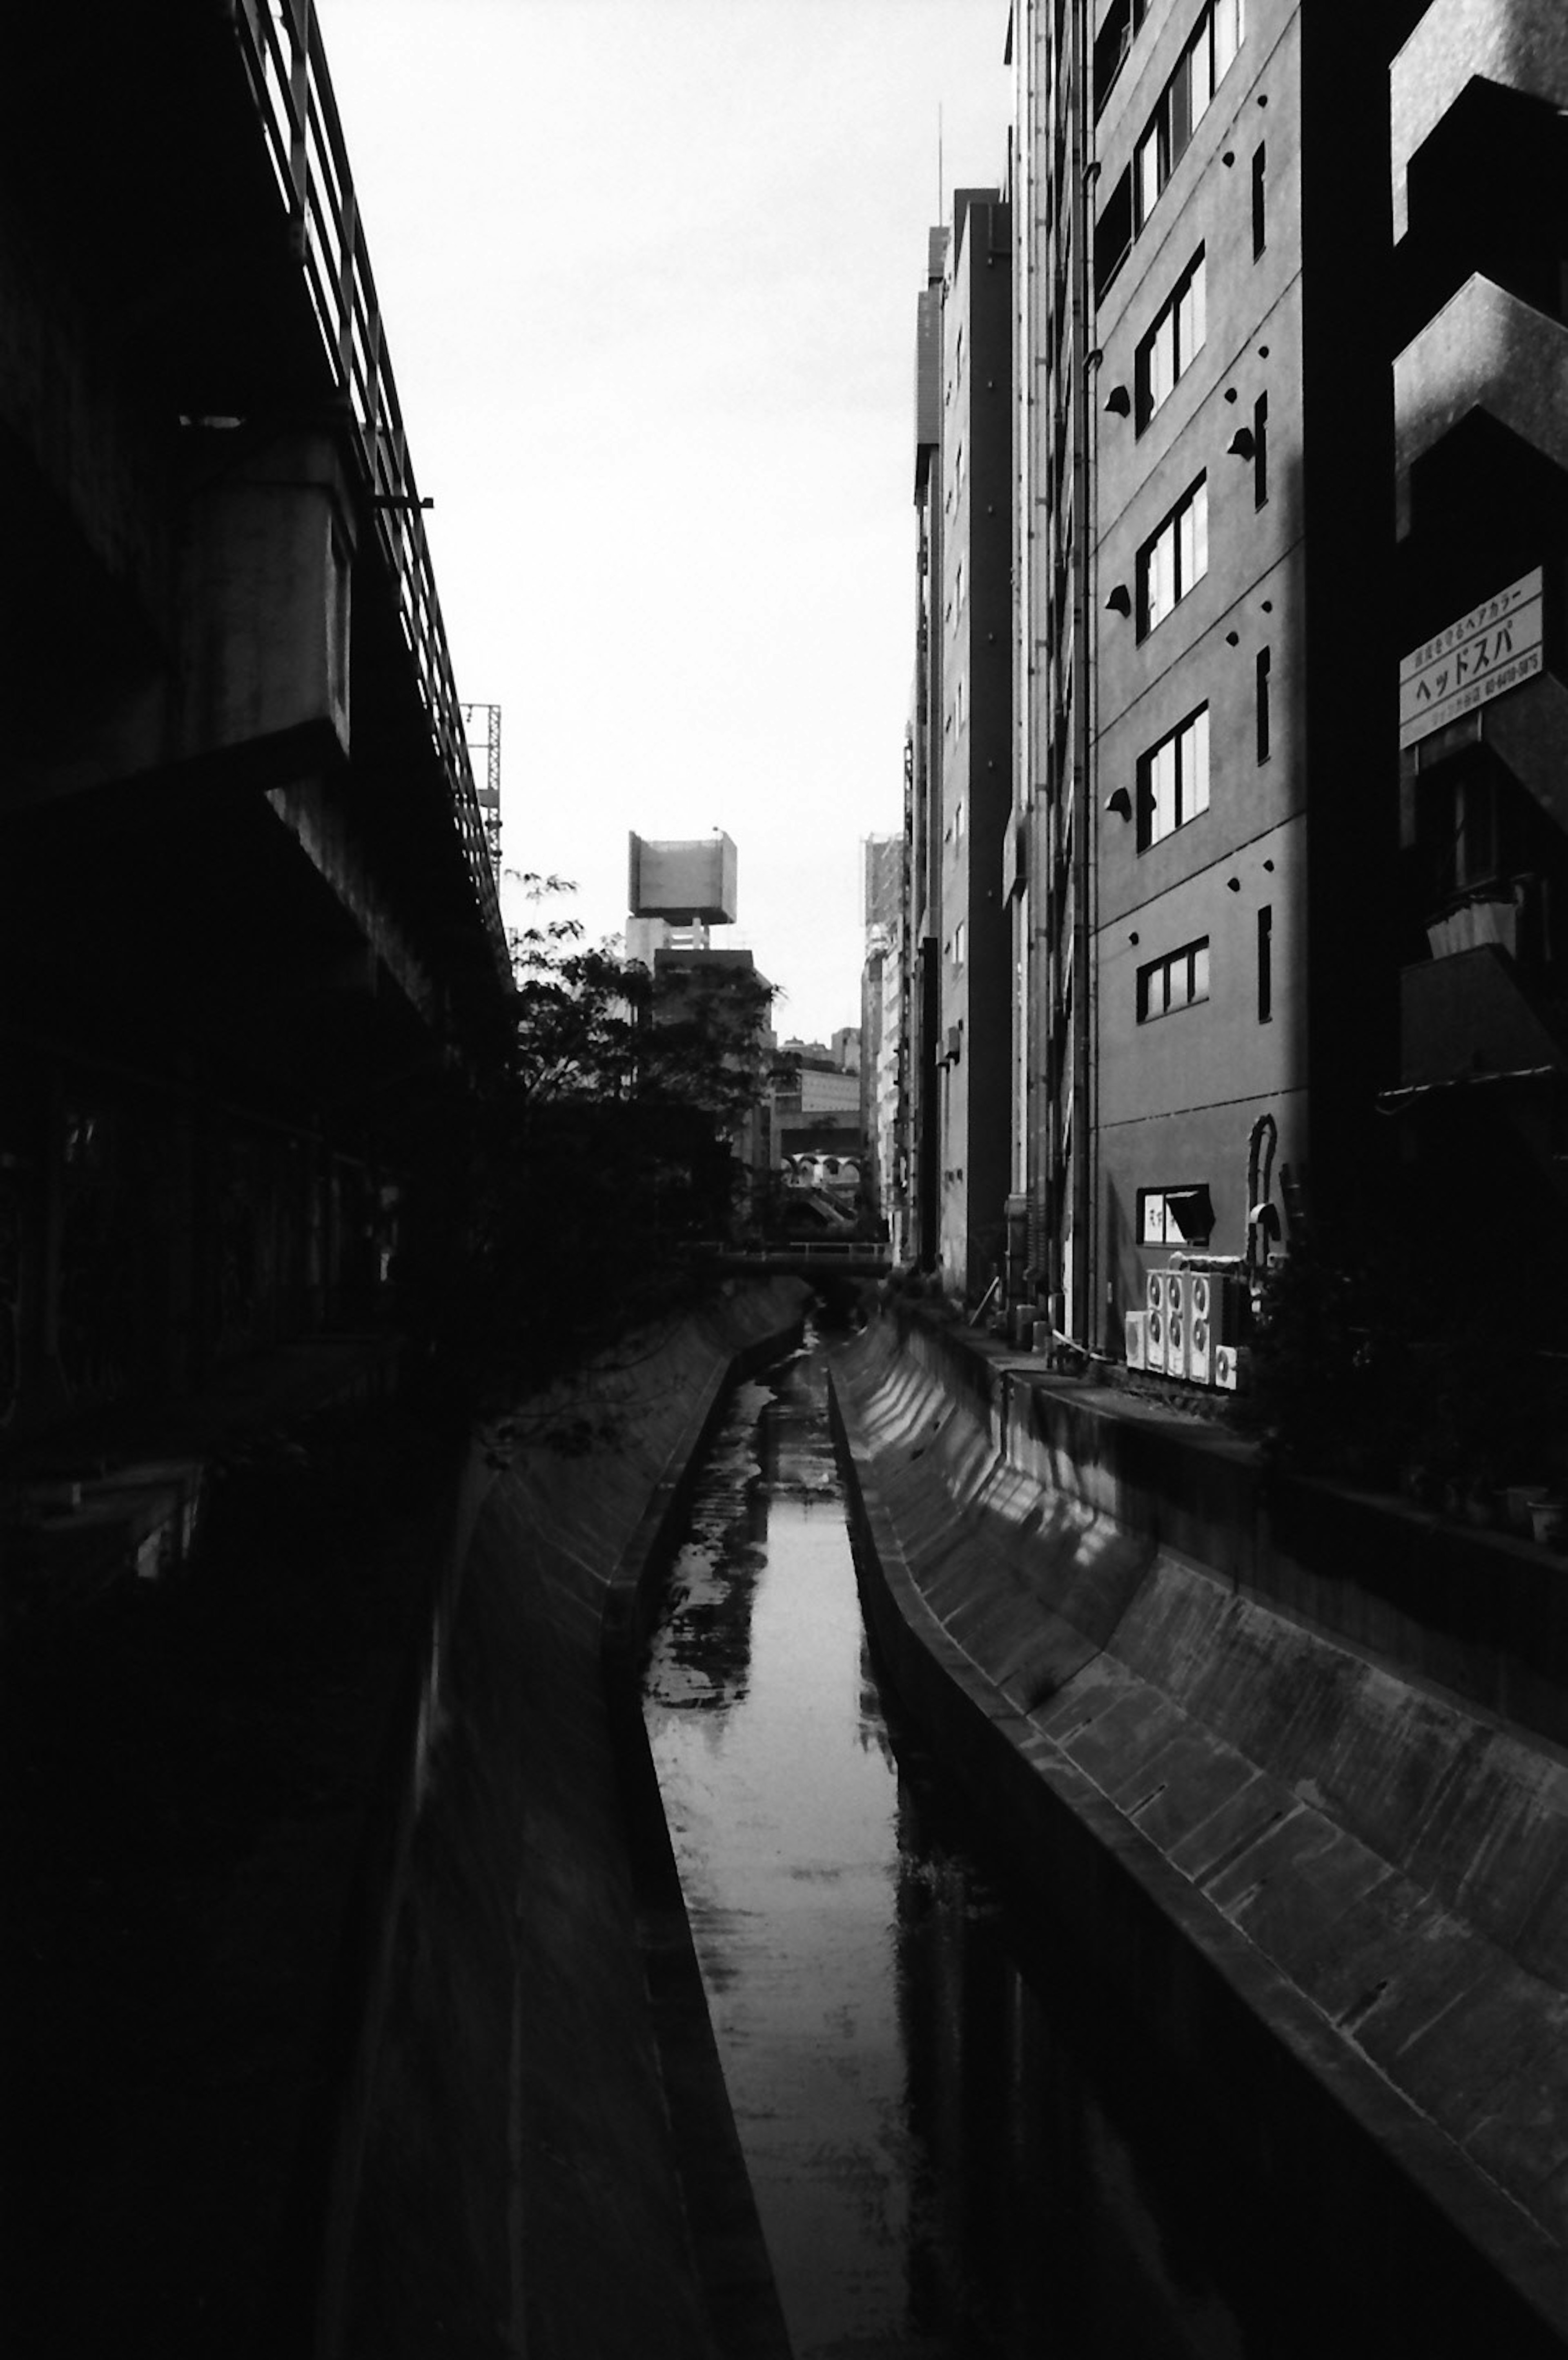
[1494, 647]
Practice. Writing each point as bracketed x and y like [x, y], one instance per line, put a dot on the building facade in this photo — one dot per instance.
[1201, 865]
[1480, 221]
[972, 799]
[882, 1038]
[958, 751]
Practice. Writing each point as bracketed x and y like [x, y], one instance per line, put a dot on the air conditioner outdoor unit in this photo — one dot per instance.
[1156, 1289]
[1138, 1333]
[1178, 1328]
[1216, 1302]
[1233, 1368]
[1154, 1329]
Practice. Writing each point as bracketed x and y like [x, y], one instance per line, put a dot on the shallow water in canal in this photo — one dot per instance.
[948, 2156]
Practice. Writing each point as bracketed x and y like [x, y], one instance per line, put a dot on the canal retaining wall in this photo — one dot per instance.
[534, 2152]
[1202, 1707]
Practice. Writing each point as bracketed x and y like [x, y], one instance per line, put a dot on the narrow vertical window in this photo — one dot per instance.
[1260, 451]
[1265, 964]
[1259, 201]
[1263, 712]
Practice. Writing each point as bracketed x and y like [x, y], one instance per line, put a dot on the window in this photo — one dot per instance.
[1174, 558]
[1259, 201]
[959, 943]
[958, 470]
[1184, 102]
[1260, 451]
[1263, 661]
[1176, 1217]
[959, 700]
[1173, 780]
[1113, 234]
[1265, 964]
[1177, 980]
[957, 586]
[1123, 21]
[1177, 335]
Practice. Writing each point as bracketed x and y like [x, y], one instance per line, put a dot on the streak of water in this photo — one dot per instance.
[935, 2176]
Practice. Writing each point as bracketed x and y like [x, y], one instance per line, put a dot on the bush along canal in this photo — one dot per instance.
[957, 2146]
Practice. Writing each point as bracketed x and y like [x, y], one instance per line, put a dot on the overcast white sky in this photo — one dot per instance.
[648, 269]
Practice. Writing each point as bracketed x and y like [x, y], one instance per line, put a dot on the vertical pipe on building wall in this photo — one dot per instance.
[1080, 1319]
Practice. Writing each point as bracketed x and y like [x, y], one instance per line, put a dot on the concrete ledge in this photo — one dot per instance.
[1335, 1898]
[1477, 1614]
[528, 2159]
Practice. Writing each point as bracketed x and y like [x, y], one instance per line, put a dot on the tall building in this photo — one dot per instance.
[958, 757]
[1200, 873]
[974, 764]
[920, 1010]
[881, 1038]
[1479, 146]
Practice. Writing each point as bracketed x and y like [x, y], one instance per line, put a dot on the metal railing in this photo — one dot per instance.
[286, 64]
[825, 1253]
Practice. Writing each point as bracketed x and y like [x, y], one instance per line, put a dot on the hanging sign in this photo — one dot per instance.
[1493, 648]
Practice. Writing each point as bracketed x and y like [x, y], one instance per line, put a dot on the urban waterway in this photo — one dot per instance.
[954, 2149]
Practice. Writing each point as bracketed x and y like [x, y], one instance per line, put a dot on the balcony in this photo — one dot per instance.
[1485, 350]
[1467, 1013]
[1522, 44]
[1511, 915]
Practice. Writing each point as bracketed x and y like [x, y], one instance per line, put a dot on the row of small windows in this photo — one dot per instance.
[1177, 981]
[1180, 977]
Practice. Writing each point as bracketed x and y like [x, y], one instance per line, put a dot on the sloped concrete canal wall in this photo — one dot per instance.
[1337, 1893]
[536, 2156]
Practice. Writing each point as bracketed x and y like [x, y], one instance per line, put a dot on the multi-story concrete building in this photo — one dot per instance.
[958, 751]
[974, 765]
[1202, 873]
[920, 1013]
[1479, 149]
[882, 1041]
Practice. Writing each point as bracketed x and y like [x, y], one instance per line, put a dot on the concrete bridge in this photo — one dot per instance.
[806, 1258]
[249, 929]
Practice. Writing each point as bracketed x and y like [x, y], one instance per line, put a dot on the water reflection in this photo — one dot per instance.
[936, 2174]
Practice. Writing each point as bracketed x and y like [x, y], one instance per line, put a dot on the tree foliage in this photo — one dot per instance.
[563, 1199]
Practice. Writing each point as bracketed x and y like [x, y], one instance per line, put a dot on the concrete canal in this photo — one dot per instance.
[954, 2148]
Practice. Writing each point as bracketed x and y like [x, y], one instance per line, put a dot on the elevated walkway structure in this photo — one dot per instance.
[250, 937]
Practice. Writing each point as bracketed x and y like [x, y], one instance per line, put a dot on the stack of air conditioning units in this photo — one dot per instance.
[1157, 1312]
[1190, 1326]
